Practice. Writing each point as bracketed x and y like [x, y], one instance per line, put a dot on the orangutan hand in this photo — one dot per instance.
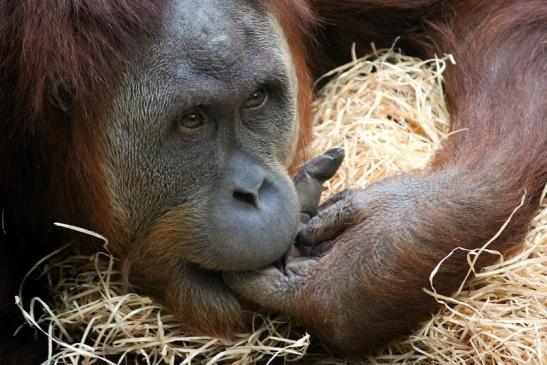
[386, 240]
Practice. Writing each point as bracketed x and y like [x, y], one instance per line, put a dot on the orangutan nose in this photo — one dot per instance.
[248, 183]
[254, 217]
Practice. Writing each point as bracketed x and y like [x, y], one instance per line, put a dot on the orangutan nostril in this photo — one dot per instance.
[246, 197]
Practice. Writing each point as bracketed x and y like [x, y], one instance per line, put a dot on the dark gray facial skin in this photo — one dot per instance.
[195, 159]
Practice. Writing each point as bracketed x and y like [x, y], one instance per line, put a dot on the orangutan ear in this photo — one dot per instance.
[61, 97]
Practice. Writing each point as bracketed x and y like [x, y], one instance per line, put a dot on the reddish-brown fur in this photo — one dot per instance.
[49, 170]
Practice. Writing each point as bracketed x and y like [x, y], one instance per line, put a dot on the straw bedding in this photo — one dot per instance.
[387, 110]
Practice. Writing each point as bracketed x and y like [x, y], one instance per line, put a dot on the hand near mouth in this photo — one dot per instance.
[297, 264]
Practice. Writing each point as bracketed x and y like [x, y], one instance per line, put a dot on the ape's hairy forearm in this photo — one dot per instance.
[373, 290]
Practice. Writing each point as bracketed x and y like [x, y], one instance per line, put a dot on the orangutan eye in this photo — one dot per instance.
[195, 118]
[256, 99]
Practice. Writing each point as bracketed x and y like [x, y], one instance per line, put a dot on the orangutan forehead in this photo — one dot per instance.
[223, 39]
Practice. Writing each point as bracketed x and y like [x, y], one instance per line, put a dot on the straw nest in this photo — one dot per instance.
[387, 110]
